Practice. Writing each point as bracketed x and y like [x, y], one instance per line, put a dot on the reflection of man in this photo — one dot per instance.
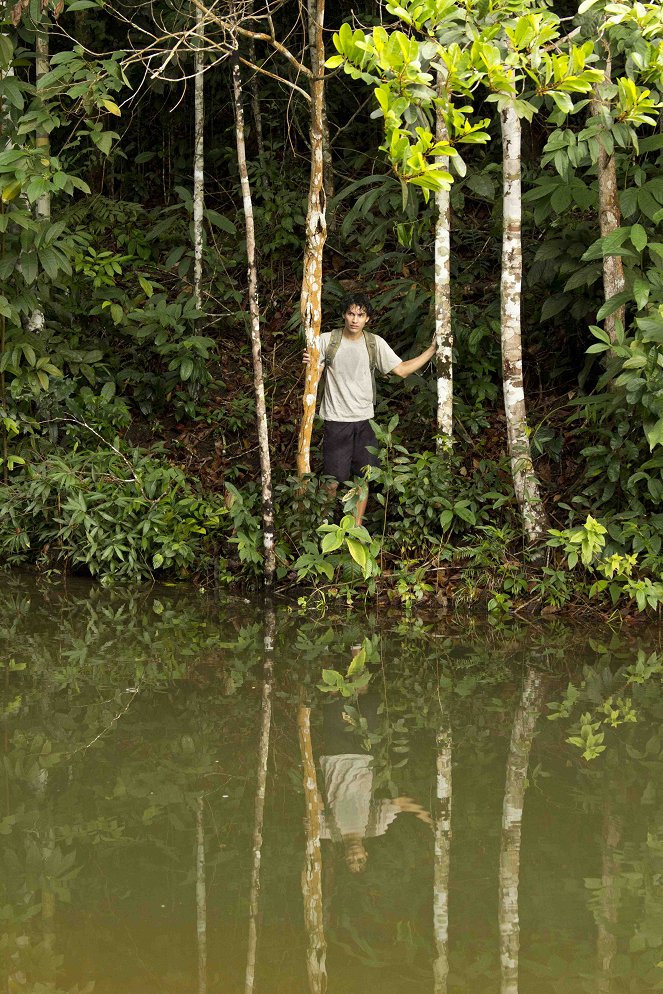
[350, 812]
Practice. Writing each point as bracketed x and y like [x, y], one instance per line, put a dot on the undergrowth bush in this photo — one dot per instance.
[115, 515]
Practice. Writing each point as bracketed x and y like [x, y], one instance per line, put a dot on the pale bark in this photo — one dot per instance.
[318, 68]
[261, 785]
[610, 217]
[608, 913]
[443, 329]
[316, 234]
[442, 829]
[316, 953]
[522, 734]
[201, 896]
[259, 384]
[42, 207]
[198, 159]
[525, 483]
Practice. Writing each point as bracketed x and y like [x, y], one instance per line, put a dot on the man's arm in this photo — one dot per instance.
[409, 366]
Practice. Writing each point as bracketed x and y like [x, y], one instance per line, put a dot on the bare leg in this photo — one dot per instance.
[360, 509]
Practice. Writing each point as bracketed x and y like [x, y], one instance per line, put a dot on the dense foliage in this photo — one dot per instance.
[127, 412]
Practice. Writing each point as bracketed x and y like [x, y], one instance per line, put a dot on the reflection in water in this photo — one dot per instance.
[131, 824]
[201, 895]
[259, 808]
[316, 953]
[442, 828]
[522, 734]
[350, 810]
[607, 917]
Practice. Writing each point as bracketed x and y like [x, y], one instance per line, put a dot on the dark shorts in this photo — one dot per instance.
[344, 452]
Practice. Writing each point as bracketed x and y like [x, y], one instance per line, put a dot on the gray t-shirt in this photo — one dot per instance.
[348, 392]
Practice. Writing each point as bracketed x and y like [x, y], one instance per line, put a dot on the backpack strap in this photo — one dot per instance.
[333, 347]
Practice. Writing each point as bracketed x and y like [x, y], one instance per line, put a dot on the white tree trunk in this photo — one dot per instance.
[316, 235]
[522, 733]
[610, 217]
[259, 384]
[42, 208]
[316, 955]
[442, 856]
[525, 483]
[198, 159]
[201, 895]
[443, 329]
[259, 808]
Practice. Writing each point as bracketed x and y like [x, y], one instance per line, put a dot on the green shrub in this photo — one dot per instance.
[116, 516]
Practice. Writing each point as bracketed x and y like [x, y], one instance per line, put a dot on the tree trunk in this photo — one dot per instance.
[442, 855]
[610, 217]
[312, 873]
[198, 159]
[443, 330]
[525, 483]
[259, 384]
[316, 234]
[259, 808]
[201, 895]
[522, 733]
[42, 208]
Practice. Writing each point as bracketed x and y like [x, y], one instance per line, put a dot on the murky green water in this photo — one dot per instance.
[140, 730]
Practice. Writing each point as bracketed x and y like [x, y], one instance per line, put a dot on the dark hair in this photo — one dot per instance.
[357, 300]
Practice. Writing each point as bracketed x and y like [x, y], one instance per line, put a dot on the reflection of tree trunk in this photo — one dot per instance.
[606, 939]
[312, 872]
[522, 734]
[525, 483]
[442, 855]
[201, 896]
[254, 309]
[263, 753]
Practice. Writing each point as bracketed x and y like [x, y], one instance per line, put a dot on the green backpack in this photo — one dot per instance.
[332, 349]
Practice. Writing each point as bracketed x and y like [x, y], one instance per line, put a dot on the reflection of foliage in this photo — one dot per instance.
[608, 694]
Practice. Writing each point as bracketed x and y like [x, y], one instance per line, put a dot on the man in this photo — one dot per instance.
[347, 404]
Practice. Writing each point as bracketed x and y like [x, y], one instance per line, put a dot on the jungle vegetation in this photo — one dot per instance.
[187, 191]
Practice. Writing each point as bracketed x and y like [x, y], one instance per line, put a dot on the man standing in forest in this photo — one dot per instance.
[350, 356]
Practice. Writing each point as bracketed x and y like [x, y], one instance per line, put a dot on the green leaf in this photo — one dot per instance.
[654, 433]
[357, 551]
[638, 237]
[219, 221]
[332, 541]
[186, 368]
[111, 107]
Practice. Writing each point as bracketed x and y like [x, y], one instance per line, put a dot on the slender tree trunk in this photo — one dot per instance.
[316, 955]
[201, 895]
[259, 808]
[42, 208]
[442, 830]
[259, 384]
[198, 159]
[316, 234]
[525, 483]
[610, 217]
[522, 734]
[443, 329]
[608, 912]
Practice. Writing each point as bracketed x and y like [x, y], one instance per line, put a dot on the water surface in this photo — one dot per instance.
[183, 810]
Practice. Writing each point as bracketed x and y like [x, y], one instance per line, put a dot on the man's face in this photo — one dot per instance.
[355, 318]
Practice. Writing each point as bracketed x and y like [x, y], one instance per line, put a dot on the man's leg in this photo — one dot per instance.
[337, 443]
[364, 437]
